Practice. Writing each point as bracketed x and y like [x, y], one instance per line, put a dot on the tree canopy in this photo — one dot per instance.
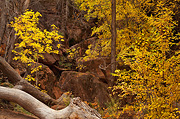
[146, 36]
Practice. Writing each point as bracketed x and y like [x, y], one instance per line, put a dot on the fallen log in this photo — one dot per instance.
[75, 110]
[22, 84]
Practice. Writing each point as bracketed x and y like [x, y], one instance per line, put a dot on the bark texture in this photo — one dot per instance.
[22, 84]
[113, 41]
[76, 109]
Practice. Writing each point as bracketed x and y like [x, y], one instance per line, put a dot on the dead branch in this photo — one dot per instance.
[76, 109]
[20, 83]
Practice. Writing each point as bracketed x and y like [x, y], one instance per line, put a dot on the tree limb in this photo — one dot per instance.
[76, 109]
[22, 84]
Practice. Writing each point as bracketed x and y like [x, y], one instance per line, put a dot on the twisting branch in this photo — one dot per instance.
[76, 109]
[22, 84]
[31, 99]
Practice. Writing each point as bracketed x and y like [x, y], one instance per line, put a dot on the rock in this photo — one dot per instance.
[2, 49]
[74, 33]
[83, 46]
[48, 82]
[93, 66]
[101, 67]
[19, 67]
[49, 59]
[84, 85]
[46, 77]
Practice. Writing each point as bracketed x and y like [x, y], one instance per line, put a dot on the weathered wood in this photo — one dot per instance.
[76, 109]
[31, 99]
[22, 84]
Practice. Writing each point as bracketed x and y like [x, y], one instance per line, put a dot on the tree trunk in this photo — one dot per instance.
[3, 24]
[26, 4]
[10, 9]
[113, 41]
[76, 109]
[22, 84]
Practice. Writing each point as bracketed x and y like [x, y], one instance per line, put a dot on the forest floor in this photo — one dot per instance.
[7, 114]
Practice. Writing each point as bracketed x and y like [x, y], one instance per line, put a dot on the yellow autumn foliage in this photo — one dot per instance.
[145, 36]
[33, 41]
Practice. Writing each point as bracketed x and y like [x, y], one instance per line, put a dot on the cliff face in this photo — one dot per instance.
[77, 34]
[65, 15]
[62, 13]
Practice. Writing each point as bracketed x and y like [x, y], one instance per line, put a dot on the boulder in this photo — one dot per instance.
[48, 82]
[46, 77]
[2, 49]
[50, 59]
[99, 67]
[84, 85]
[82, 46]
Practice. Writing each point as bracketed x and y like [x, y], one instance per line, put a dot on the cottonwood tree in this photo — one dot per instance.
[33, 42]
[145, 39]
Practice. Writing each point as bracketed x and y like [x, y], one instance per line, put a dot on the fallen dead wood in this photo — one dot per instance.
[76, 109]
[34, 101]
[20, 83]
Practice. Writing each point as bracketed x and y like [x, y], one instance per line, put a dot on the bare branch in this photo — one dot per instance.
[19, 82]
[76, 108]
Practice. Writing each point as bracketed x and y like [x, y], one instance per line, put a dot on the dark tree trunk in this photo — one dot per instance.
[113, 41]
[3, 25]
